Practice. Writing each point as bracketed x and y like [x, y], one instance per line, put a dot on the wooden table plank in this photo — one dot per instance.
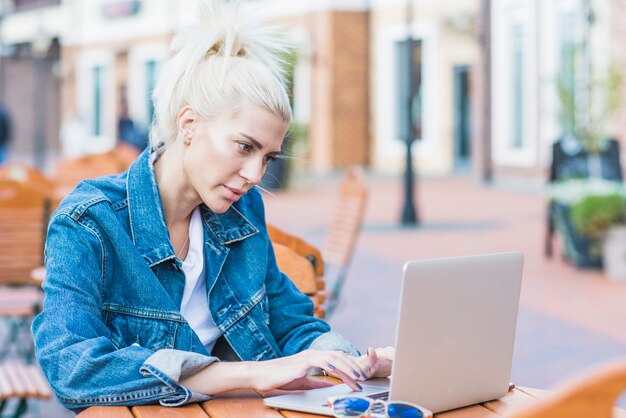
[512, 401]
[474, 411]
[248, 404]
[536, 393]
[152, 411]
[295, 414]
[106, 412]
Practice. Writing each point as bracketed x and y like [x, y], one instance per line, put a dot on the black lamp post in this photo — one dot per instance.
[407, 131]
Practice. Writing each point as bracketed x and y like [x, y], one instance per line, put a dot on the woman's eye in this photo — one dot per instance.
[269, 158]
[244, 147]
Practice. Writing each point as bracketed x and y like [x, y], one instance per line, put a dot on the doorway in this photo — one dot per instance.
[462, 119]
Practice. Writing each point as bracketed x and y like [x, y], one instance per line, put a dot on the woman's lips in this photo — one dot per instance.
[233, 193]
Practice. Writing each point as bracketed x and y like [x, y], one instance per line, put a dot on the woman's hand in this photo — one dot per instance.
[377, 362]
[290, 373]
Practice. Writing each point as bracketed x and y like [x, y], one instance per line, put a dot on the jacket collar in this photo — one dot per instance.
[147, 219]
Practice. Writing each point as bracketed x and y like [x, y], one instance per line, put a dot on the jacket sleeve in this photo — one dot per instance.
[73, 345]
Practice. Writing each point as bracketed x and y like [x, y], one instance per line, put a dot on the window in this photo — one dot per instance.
[151, 76]
[98, 79]
[517, 42]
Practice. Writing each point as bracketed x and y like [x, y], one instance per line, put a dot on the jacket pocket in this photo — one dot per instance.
[147, 331]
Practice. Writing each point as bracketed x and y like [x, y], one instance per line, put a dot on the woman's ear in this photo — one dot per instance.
[185, 120]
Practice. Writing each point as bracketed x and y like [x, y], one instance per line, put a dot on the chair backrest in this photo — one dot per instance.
[126, 154]
[24, 173]
[344, 230]
[347, 218]
[594, 395]
[576, 165]
[70, 172]
[302, 263]
[23, 221]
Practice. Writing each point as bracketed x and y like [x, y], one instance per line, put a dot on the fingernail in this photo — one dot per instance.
[364, 376]
[355, 373]
[331, 367]
[358, 386]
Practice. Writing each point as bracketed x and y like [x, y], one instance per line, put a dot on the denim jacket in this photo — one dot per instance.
[111, 332]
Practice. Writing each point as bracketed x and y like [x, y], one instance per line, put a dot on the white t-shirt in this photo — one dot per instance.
[195, 304]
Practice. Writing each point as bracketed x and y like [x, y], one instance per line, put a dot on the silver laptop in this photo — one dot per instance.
[454, 339]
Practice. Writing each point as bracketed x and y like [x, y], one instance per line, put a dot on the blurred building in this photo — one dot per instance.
[347, 87]
[29, 75]
[111, 56]
[534, 44]
[444, 60]
[483, 94]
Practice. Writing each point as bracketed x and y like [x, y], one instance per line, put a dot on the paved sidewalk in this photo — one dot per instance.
[569, 319]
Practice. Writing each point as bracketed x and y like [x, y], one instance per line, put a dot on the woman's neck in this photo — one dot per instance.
[177, 196]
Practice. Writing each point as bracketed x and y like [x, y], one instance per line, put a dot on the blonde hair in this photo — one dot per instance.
[221, 59]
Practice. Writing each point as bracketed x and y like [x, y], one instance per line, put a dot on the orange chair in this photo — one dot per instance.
[24, 214]
[592, 396]
[24, 173]
[344, 231]
[70, 172]
[126, 154]
[302, 263]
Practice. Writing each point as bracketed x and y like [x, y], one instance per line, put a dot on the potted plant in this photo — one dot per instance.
[602, 218]
[584, 210]
[591, 218]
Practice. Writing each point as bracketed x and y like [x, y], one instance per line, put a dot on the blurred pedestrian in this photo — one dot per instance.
[127, 130]
[5, 132]
[157, 274]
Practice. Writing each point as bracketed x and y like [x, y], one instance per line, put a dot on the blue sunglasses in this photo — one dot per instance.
[360, 406]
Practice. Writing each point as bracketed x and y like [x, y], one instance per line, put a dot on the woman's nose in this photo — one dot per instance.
[253, 172]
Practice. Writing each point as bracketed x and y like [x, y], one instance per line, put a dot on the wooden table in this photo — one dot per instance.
[249, 404]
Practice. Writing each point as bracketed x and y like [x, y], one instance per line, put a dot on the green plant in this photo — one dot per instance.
[595, 214]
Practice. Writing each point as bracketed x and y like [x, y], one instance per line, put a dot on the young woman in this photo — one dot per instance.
[158, 276]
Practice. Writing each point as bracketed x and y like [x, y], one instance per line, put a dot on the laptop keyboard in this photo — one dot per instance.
[383, 396]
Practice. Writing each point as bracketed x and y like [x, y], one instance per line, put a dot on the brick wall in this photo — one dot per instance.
[479, 79]
[339, 132]
[350, 87]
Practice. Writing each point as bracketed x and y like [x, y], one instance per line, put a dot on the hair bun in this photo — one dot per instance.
[222, 30]
[225, 55]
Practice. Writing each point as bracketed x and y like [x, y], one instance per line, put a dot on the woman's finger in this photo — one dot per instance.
[339, 364]
[348, 380]
[349, 365]
[372, 365]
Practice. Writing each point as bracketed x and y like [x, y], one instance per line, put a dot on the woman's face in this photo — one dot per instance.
[226, 156]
